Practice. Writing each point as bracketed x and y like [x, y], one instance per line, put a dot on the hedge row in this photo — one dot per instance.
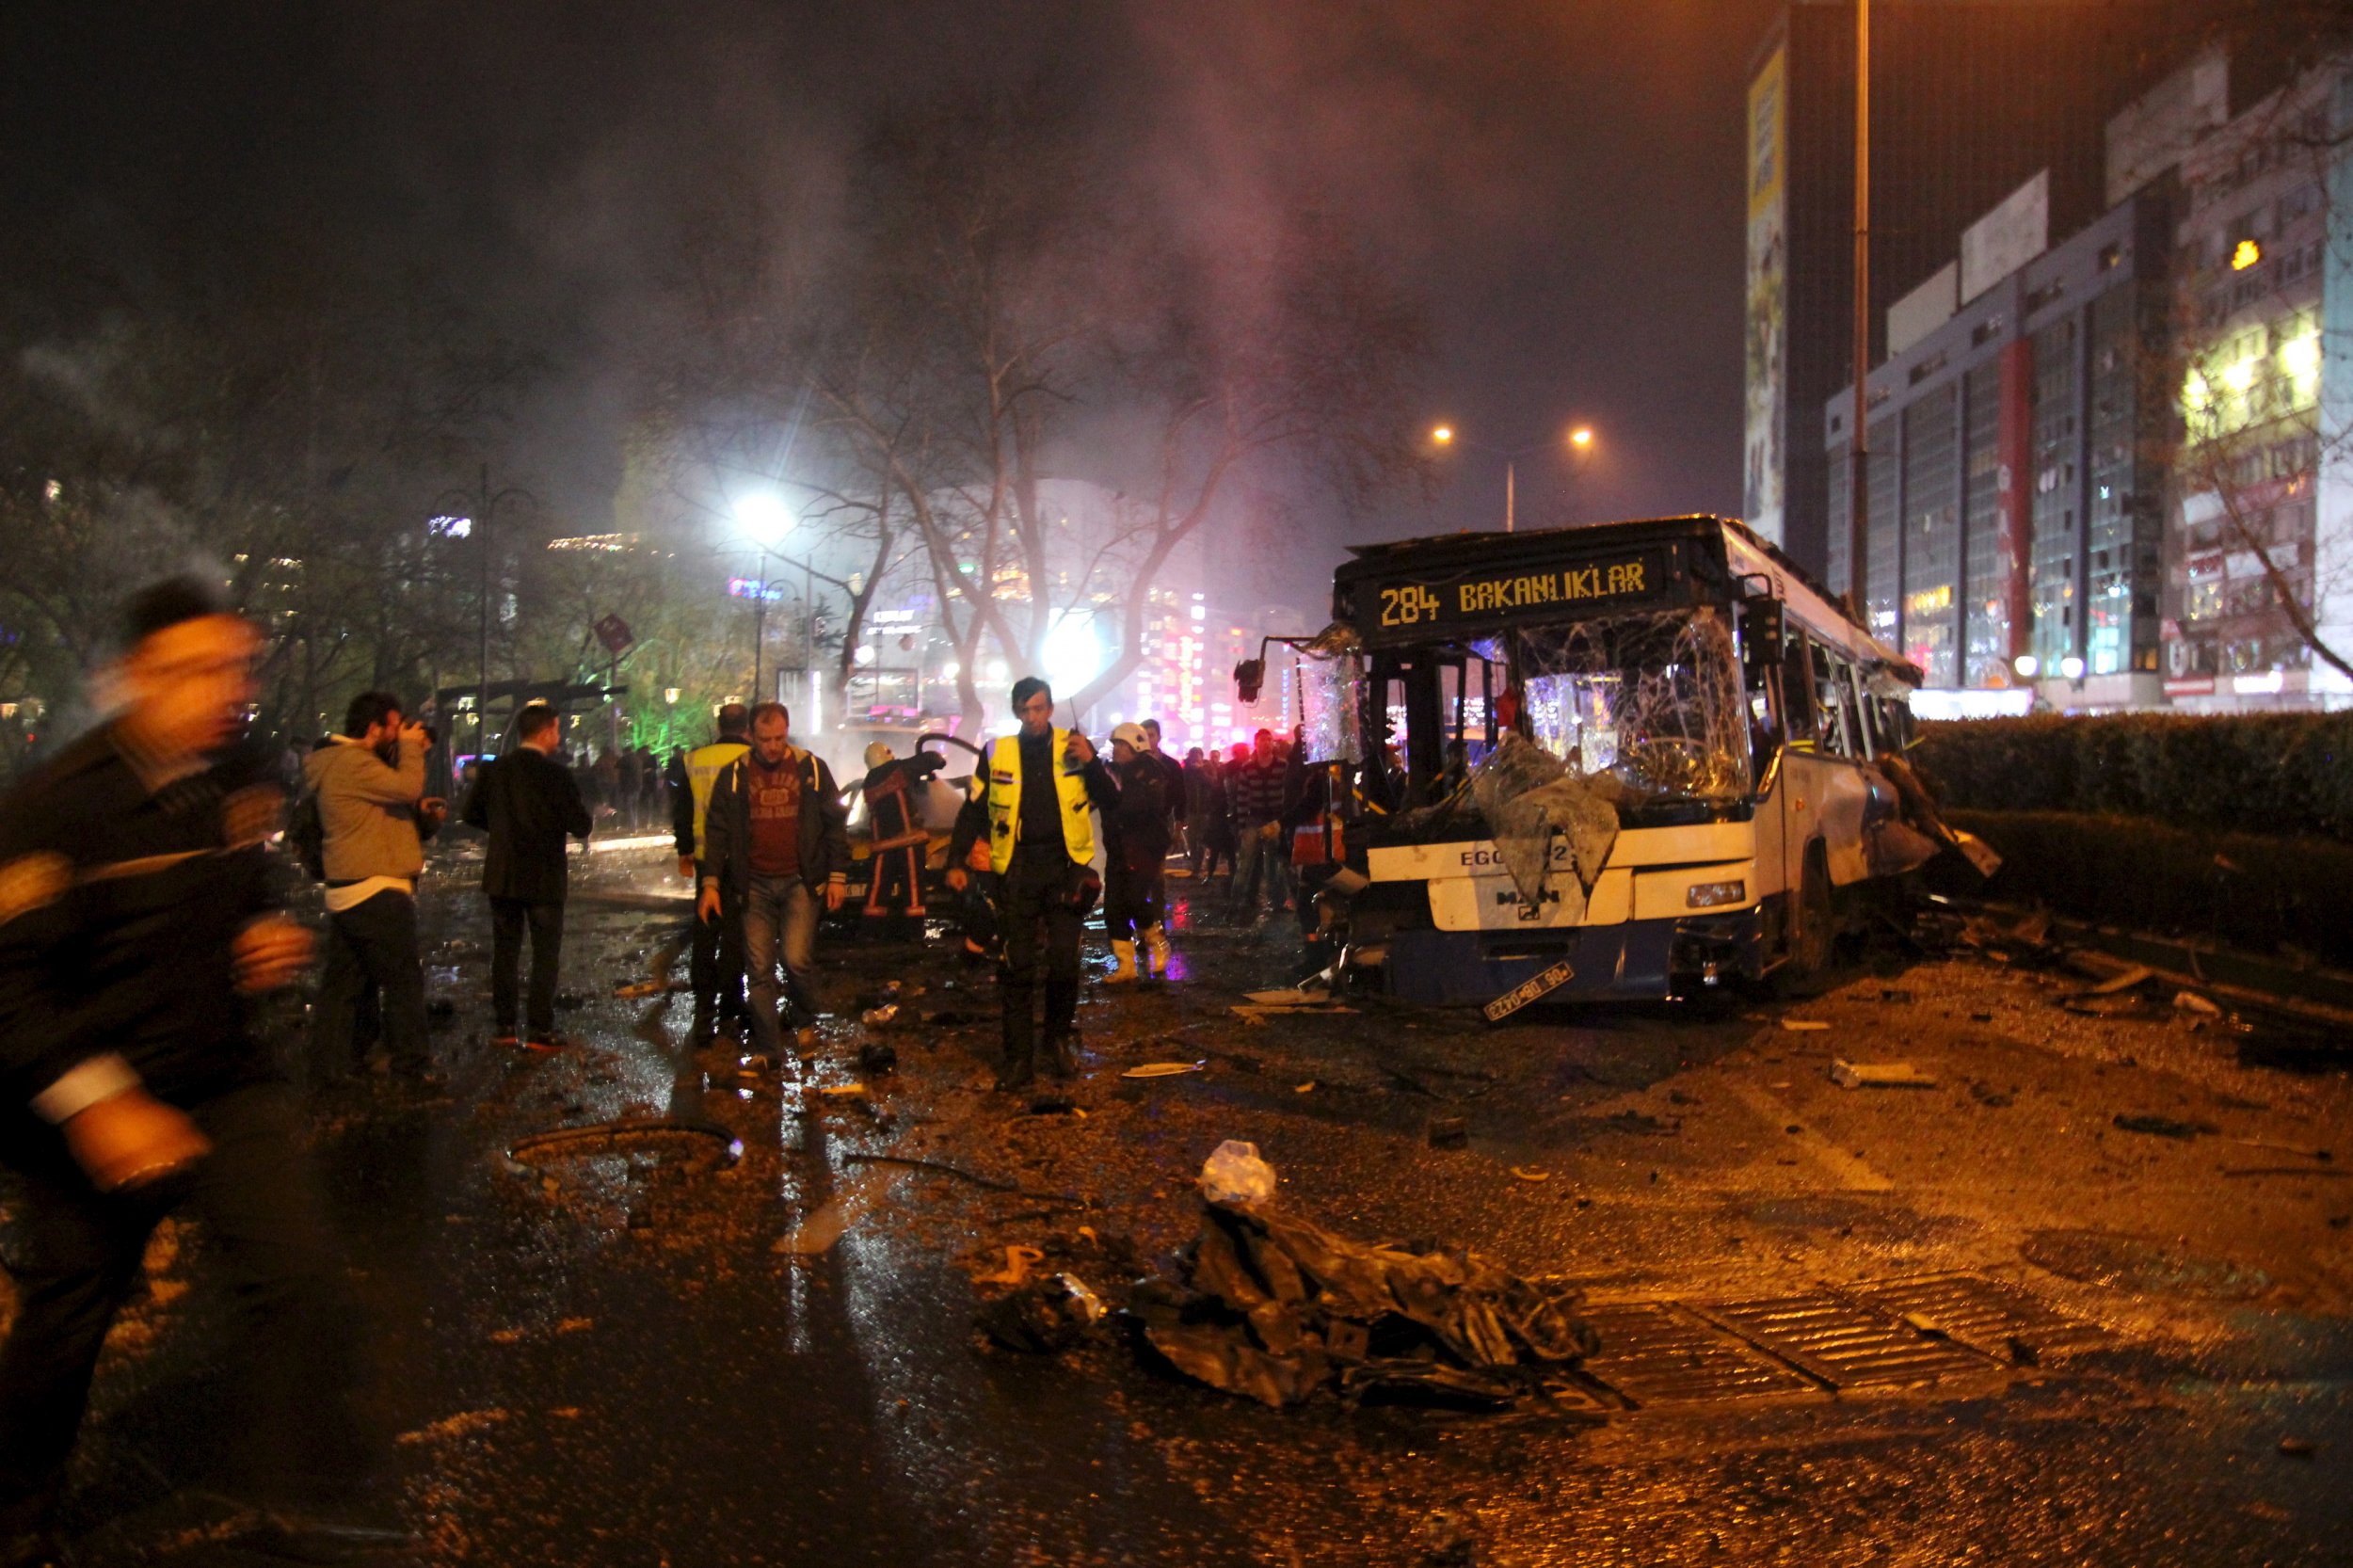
[2259, 773]
[2257, 893]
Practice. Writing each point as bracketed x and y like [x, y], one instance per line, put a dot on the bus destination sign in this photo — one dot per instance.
[1509, 596]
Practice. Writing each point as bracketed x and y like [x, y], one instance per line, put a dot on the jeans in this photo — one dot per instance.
[1041, 929]
[292, 1434]
[509, 915]
[779, 911]
[1258, 854]
[371, 947]
[715, 959]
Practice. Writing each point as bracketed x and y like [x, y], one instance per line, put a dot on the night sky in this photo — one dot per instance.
[1561, 178]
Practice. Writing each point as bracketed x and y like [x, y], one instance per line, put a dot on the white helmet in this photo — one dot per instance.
[1133, 734]
[877, 754]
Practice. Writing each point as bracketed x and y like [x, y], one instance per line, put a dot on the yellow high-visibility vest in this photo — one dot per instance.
[703, 766]
[1004, 802]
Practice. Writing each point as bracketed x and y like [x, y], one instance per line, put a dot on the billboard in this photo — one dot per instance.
[1767, 298]
[1923, 310]
[2006, 238]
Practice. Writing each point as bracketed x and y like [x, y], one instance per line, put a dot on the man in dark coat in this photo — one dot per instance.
[1135, 848]
[138, 923]
[528, 803]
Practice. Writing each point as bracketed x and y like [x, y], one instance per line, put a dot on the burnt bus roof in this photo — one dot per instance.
[1413, 590]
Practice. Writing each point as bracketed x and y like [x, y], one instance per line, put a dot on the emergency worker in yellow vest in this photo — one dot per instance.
[1043, 784]
[715, 967]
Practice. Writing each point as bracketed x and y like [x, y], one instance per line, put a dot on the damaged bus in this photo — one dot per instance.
[1614, 760]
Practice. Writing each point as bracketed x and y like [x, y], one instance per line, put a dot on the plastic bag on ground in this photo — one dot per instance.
[1234, 1173]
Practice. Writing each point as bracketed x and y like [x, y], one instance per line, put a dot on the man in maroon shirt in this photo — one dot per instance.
[777, 840]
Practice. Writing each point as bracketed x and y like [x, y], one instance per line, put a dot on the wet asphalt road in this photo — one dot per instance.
[603, 1357]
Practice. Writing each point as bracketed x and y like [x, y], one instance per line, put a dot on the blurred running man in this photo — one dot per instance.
[137, 927]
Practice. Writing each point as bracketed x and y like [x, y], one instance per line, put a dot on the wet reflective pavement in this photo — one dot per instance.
[638, 1353]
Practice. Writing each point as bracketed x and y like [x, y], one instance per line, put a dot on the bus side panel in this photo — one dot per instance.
[1771, 832]
[1804, 785]
[1846, 797]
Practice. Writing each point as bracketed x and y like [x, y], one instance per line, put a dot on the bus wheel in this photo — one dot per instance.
[1814, 937]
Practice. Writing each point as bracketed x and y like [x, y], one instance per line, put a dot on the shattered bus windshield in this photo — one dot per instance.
[1654, 701]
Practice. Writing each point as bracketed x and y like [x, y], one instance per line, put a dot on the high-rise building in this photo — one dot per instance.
[1971, 101]
[2018, 470]
[2115, 475]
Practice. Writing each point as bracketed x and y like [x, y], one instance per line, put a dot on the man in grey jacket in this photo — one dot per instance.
[370, 783]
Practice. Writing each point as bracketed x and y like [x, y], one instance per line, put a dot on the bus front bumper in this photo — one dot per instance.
[1631, 960]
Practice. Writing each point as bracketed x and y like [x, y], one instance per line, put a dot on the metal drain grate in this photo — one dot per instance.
[1848, 1346]
[1654, 1352]
[1986, 1314]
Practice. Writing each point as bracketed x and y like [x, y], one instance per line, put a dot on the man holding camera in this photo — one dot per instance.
[1043, 785]
[370, 785]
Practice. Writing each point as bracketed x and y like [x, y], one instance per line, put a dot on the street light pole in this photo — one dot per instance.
[1858, 480]
[759, 623]
[1580, 443]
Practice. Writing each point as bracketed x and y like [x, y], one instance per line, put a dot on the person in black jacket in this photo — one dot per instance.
[1135, 847]
[775, 843]
[527, 801]
[137, 923]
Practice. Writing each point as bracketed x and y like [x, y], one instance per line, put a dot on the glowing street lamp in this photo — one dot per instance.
[765, 517]
[1581, 440]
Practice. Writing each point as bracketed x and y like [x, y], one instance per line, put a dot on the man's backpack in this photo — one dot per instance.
[306, 835]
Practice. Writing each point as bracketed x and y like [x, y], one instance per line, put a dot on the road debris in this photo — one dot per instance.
[1276, 1309]
[1018, 1261]
[627, 1127]
[2162, 1127]
[1878, 1075]
[878, 1058]
[1043, 1317]
[1804, 1026]
[2296, 1149]
[1528, 1173]
[2190, 1001]
[1448, 1132]
[1164, 1069]
[1235, 1174]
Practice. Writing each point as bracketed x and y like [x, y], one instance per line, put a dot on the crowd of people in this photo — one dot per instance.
[142, 914]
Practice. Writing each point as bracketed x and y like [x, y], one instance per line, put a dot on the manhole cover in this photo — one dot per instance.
[1846, 1345]
[2129, 1263]
[1983, 1313]
[1654, 1353]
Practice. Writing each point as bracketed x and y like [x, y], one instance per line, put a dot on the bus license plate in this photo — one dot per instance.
[1529, 990]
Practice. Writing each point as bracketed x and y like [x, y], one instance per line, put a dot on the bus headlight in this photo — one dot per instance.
[1710, 895]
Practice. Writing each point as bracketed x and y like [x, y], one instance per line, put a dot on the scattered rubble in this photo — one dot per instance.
[1274, 1308]
[1044, 1316]
[2162, 1127]
[1878, 1075]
